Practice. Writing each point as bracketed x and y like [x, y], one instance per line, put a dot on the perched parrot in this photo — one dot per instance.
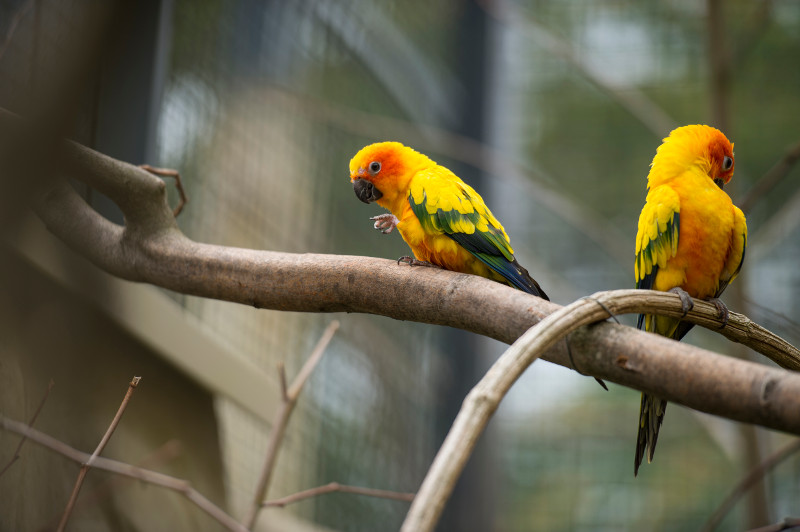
[442, 219]
[691, 241]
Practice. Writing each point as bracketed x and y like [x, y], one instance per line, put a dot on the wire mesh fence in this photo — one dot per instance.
[265, 102]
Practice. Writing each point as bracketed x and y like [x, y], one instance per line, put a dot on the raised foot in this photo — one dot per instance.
[722, 310]
[686, 300]
[385, 223]
[411, 261]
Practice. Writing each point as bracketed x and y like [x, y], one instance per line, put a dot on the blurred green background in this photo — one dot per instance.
[552, 111]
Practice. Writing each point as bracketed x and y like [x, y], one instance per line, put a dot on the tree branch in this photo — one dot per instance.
[30, 423]
[151, 248]
[288, 400]
[485, 397]
[145, 475]
[102, 445]
[343, 488]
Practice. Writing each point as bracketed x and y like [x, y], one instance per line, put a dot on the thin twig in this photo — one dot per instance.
[31, 423]
[282, 379]
[88, 464]
[120, 468]
[162, 455]
[754, 475]
[288, 400]
[343, 488]
[771, 179]
[168, 172]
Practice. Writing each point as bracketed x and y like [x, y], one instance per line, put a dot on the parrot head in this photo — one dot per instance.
[381, 172]
[696, 145]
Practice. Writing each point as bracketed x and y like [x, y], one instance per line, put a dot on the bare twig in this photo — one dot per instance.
[289, 399]
[771, 179]
[120, 468]
[754, 475]
[30, 423]
[168, 172]
[163, 454]
[88, 464]
[334, 487]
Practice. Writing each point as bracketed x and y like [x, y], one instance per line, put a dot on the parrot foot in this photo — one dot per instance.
[385, 223]
[686, 300]
[411, 261]
[722, 310]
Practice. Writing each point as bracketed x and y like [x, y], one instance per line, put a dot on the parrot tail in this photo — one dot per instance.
[651, 414]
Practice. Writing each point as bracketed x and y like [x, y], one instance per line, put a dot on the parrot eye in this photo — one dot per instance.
[727, 163]
[374, 167]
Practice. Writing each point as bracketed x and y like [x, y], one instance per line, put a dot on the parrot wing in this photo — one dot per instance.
[656, 243]
[445, 204]
[657, 239]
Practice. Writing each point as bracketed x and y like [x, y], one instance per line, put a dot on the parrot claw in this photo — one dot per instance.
[385, 223]
[722, 310]
[686, 300]
[411, 261]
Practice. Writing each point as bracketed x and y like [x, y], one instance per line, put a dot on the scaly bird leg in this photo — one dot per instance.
[722, 310]
[411, 261]
[385, 223]
[686, 300]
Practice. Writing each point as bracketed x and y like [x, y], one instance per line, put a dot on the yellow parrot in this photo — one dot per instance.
[691, 241]
[442, 219]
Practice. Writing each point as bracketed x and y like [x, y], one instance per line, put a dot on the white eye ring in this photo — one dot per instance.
[727, 163]
[374, 167]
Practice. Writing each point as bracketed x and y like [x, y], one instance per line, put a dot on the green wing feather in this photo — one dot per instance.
[445, 204]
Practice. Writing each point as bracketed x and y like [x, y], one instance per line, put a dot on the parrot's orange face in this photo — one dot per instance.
[720, 154]
[380, 172]
[695, 146]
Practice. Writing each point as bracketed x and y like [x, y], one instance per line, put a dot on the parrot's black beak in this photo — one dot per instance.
[720, 183]
[366, 191]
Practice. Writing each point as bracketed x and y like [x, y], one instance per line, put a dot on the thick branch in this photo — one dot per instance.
[151, 249]
[485, 397]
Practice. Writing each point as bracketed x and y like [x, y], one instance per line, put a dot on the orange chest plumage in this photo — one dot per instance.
[705, 240]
